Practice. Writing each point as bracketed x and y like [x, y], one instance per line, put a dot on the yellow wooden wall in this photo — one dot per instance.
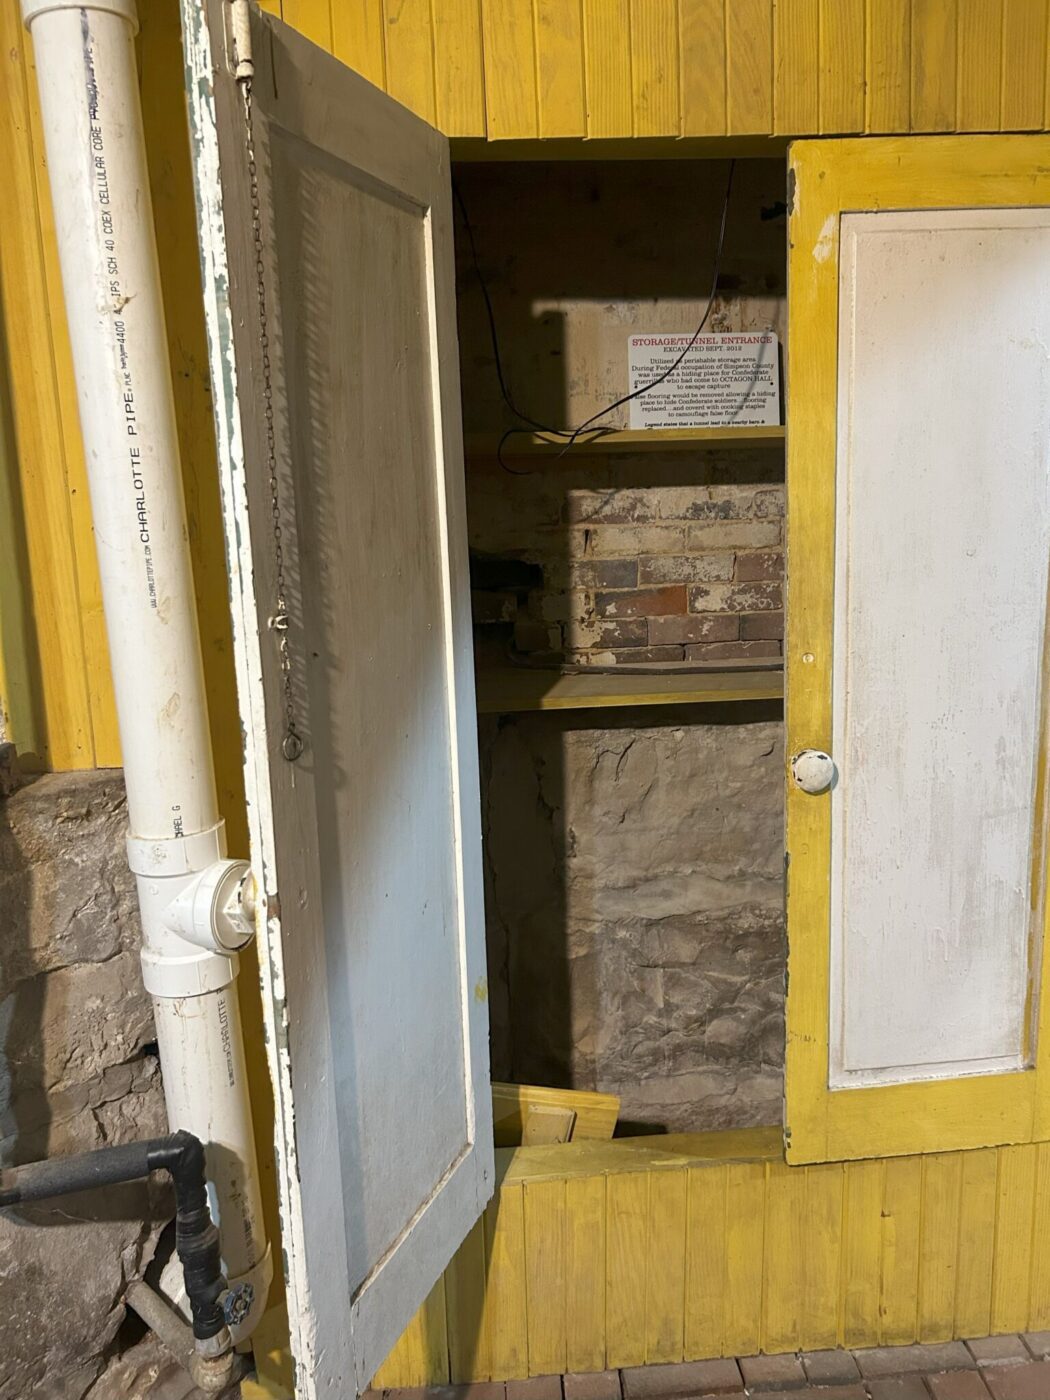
[680, 1248]
[626, 68]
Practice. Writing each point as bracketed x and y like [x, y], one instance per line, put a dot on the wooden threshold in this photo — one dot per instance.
[626, 440]
[510, 689]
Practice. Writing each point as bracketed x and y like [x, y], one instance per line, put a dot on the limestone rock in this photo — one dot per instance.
[635, 913]
[79, 1072]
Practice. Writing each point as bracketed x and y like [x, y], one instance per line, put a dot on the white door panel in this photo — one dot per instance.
[368, 845]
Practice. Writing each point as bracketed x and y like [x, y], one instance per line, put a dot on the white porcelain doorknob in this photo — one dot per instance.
[813, 770]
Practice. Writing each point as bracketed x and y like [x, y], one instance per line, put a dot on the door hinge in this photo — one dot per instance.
[239, 40]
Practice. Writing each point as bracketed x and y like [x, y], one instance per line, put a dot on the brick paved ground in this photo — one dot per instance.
[987, 1368]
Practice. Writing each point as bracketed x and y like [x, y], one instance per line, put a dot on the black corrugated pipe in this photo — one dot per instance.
[181, 1155]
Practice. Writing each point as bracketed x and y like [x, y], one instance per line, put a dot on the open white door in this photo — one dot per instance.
[328, 281]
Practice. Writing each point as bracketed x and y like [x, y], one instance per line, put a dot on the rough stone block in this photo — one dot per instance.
[635, 911]
[930, 1356]
[592, 1385]
[1007, 1350]
[1038, 1343]
[763, 1373]
[79, 1028]
[830, 1367]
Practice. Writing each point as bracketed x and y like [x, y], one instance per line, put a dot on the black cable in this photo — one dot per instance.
[572, 434]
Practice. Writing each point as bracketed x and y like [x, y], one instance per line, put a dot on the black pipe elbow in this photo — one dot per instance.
[197, 1241]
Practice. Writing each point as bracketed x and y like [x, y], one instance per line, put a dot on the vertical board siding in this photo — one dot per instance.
[796, 66]
[749, 67]
[702, 47]
[508, 29]
[939, 1246]
[980, 50]
[518, 69]
[559, 68]
[357, 38]
[822, 1243]
[585, 1271]
[408, 43]
[665, 1293]
[459, 77]
[842, 46]
[901, 1220]
[1025, 40]
[887, 62]
[626, 1256]
[607, 67]
[933, 64]
[654, 68]
[691, 1260]
[45, 664]
[545, 1276]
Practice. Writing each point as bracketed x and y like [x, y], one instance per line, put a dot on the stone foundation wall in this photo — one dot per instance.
[78, 1071]
[635, 910]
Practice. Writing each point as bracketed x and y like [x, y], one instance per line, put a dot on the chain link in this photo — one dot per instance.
[292, 744]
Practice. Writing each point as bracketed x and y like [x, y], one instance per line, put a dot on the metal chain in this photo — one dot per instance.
[292, 745]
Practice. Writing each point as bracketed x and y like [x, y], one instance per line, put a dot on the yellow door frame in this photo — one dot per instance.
[826, 179]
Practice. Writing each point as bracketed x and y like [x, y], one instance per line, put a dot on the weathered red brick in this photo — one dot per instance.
[733, 534]
[619, 541]
[685, 568]
[706, 502]
[760, 564]
[642, 602]
[635, 506]
[603, 573]
[1028, 1382]
[898, 1388]
[762, 627]
[957, 1385]
[708, 627]
[633, 657]
[735, 597]
[732, 651]
[769, 502]
[607, 632]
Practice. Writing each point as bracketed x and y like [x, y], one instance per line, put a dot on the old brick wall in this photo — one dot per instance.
[79, 1071]
[605, 560]
[687, 567]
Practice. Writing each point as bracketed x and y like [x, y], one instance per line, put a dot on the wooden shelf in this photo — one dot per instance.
[509, 689]
[626, 440]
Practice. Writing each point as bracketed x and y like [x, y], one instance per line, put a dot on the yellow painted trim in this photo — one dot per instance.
[645, 1250]
[594, 1115]
[828, 177]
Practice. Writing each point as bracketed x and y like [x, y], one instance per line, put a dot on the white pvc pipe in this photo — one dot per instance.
[85, 60]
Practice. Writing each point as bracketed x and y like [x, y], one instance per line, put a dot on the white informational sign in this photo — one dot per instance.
[732, 377]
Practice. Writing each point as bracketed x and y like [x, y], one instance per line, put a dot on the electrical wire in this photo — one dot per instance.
[572, 434]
